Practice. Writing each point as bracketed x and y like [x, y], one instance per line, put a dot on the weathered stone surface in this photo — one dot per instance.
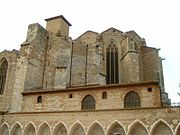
[49, 78]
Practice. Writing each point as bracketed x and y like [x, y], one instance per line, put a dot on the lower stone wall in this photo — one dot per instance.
[71, 99]
[147, 121]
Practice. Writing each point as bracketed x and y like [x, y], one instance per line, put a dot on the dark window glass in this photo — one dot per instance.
[108, 66]
[39, 99]
[112, 66]
[3, 74]
[112, 70]
[88, 102]
[116, 67]
[132, 100]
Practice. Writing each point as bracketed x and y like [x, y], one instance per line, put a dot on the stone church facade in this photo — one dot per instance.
[108, 83]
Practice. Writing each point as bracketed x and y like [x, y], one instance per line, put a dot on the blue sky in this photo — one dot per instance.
[157, 21]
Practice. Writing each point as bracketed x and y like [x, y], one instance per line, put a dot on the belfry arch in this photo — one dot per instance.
[95, 129]
[137, 128]
[178, 129]
[4, 130]
[116, 128]
[161, 128]
[30, 129]
[44, 129]
[60, 129]
[16, 129]
[77, 129]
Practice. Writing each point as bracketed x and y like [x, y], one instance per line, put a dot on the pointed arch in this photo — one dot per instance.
[161, 127]
[16, 129]
[96, 129]
[88, 102]
[4, 130]
[30, 129]
[132, 100]
[112, 70]
[59, 129]
[3, 74]
[44, 129]
[77, 129]
[116, 128]
[138, 128]
[177, 131]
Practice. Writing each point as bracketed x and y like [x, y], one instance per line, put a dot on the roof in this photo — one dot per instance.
[89, 31]
[111, 28]
[87, 87]
[56, 17]
[133, 32]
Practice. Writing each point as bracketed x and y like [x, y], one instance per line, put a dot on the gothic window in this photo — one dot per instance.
[3, 74]
[88, 102]
[112, 71]
[104, 95]
[132, 100]
[39, 99]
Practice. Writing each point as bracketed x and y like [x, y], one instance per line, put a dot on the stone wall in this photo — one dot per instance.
[87, 60]
[130, 61]
[30, 64]
[71, 99]
[53, 65]
[36, 52]
[6, 97]
[150, 63]
[143, 121]
[58, 58]
[58, 25]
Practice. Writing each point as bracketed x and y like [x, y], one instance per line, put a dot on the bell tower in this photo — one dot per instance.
[58, 25]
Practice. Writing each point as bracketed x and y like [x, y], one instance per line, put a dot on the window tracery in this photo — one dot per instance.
[112, 70]
[3, 74]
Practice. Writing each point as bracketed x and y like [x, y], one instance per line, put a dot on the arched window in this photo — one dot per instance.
[39, 99]
[112, 72]
[3, 74]
[88, 102]
[104, 95]
[132, 100]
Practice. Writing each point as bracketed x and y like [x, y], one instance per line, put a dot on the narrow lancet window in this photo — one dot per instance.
[3, 74]
[112, 70]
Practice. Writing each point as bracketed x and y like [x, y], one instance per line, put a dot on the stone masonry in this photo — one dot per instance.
[108, 83]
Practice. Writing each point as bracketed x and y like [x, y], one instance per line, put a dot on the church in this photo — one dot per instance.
[108, 83]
